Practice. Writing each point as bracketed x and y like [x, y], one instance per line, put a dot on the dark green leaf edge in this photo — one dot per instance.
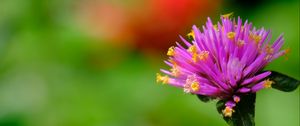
[204, 98]
[283, 82]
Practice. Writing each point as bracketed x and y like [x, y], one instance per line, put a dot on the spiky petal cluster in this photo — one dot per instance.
[222, 61]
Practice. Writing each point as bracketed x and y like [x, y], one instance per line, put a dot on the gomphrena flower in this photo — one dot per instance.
[223, 61]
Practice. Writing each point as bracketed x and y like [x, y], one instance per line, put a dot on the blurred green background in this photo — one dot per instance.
[93, 63]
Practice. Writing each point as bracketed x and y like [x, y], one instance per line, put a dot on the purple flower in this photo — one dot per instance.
[223, 61]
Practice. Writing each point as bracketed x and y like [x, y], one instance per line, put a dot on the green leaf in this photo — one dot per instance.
[283, 82]
[243, 112]
[204, 98]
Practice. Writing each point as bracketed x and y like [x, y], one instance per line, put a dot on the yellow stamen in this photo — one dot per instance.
[192, 49]
[163, 79]
[191, 34]
[195, 86]
[203, 55]
[236, 99]
[171, 51]
[175, 71]
[268, 83]
[240, 43]
[227, 112]
[231, 35]
[191, 85]
[195, 57]
[269, 49]
[286, 51]
[227, 15]
[256, 38]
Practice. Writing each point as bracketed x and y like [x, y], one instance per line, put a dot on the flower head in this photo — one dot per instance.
[223, 61]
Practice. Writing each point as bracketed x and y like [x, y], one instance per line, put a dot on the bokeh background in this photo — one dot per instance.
[93, 63]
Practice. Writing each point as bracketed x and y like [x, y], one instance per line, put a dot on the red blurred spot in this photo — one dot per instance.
[148, 25]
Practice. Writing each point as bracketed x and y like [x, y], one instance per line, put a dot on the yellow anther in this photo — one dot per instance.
[286, 51]
[195, 57]
[195, 86]
[172, 61]
[192, 49]
[269, 49]
[256, 38]
[175, 71]
[227, 112]
[171, 51]
[231, 35]
[203, 55]
[191, 34]
[191, 85]
[163, 79]
[268, 83]
[236, 99]
[227, 15]
[240, 43]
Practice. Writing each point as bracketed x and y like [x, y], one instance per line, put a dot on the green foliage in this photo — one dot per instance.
[204, 98]
[283, 82]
